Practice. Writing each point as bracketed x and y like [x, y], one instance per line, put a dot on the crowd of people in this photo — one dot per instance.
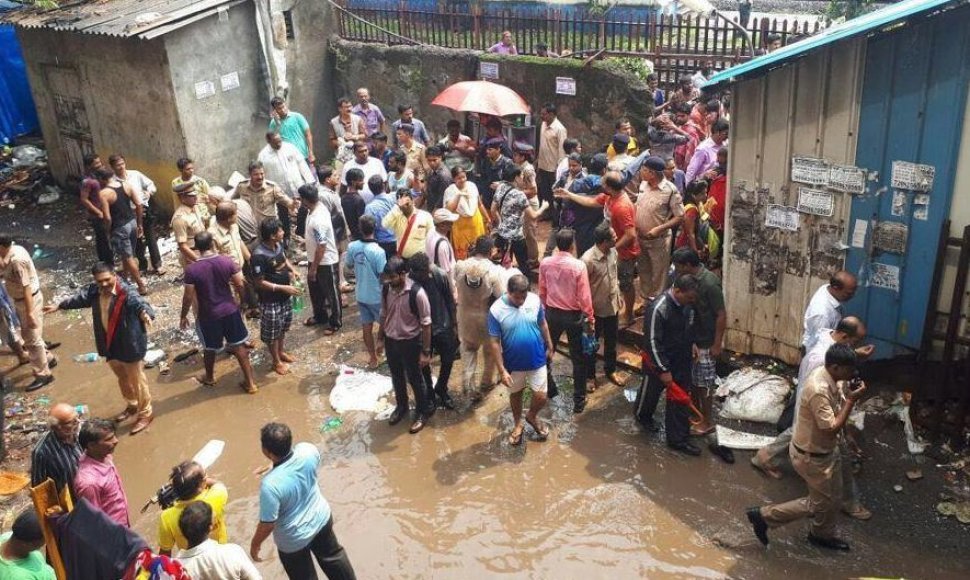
[438, 241]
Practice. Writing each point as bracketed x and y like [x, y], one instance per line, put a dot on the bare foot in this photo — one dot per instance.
[373, 363]
[281, 368]
[205, 381]
[287, 357]
[250, 388]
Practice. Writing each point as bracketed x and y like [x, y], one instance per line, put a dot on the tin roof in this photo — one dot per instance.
[125, 18]
[873, 22]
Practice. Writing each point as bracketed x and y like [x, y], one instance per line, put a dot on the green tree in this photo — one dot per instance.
[847, 9]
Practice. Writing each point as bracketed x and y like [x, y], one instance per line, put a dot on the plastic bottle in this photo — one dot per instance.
[89, 357]
[298, 303]
[81, 409]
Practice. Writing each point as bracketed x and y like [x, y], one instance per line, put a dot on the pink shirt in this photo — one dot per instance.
[564, 284]
[99, 483]
[397, 319]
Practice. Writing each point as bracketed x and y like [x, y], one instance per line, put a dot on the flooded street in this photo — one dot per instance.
[599, 499]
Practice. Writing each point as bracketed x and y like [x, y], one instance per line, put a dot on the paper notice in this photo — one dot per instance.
[204, 89]
[565, 86]
[488, 70]
[816, 201]
[847, 178]
[859, 233]
[912, 176]
[782, 217]
[809, 170]
[229, 81]
[884, 276]
[898, 208]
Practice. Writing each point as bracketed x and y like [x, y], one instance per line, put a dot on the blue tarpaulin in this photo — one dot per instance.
[17, 113]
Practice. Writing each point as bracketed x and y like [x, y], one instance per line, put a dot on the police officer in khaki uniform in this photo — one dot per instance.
[823, 408]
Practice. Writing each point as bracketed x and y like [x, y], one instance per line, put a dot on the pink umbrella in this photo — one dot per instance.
[482, 97]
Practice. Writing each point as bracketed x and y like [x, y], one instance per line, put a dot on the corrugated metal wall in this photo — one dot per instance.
[807, 108]
[912, 109]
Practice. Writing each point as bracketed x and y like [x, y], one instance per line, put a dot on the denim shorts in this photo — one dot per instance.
[369, 313]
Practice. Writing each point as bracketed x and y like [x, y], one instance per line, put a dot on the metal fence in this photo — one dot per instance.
[676, 44]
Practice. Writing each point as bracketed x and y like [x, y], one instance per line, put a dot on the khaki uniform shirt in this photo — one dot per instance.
[19, 274]
[604, 282]
[818, 407]
[263, 200]
[227, 241]
[655, 206]
[202, 188]
[186, 222]
[416, 162]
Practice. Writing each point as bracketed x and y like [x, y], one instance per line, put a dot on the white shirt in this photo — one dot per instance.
[140, 184]
[811, 361]
[698, 80]
[467, 198]
[319, 230]
[211, 560]
[562, 168]
[823, 311]
[371, 168]
[286, 167]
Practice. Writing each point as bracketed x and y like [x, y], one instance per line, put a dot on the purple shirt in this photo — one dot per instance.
[211, 276]
[500, 48]
[704, 158]
[372, 117]
[99, 483]
[91, 191]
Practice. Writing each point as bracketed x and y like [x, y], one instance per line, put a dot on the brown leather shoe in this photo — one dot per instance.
[142, 424]
[128, 413]
[417, 425]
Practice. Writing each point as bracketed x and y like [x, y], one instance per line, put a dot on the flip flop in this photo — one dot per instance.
[310, 322]
[541, 435]
[516, 439]
[246, 388]
[203, 382]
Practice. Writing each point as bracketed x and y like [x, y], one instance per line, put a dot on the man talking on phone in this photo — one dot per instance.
[824, 405]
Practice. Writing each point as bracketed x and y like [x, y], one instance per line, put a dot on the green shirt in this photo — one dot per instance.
[292, 129]
[33, 567]
[710, 301]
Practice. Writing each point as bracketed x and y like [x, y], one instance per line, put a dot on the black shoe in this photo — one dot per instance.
[759, 524]
[828, 543]
[579, 407]
[726, 455]
[686, 448]
[51, 345]
[397, 416]
[650, 426]
[446, 401]
[40, 382]
[52, 362]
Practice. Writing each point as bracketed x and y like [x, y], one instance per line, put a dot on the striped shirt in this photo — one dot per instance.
[54, 459]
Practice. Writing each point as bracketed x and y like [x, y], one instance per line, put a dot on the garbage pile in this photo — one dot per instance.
[25, 177]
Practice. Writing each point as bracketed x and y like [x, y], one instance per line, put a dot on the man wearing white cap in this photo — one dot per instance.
[437, 245]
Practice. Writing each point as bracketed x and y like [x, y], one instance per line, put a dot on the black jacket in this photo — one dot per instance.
[130, 341]
[668, 338]
[441, 296]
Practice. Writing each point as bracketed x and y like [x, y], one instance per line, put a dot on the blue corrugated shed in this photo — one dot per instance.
[883, 19]
[17, 113]
[912, 109]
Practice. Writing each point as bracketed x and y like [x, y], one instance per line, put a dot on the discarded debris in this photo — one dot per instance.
[741, 440]
[331, 424]
[914, 474]
[897, 488]
[752, 394]
[153, 357]
[357, 390]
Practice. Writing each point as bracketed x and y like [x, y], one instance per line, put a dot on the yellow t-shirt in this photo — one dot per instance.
[170, 535]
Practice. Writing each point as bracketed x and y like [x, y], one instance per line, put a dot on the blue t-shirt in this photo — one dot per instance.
[377, 208]
[292, 130]
[523, 348]
[368, 260]
[290, 497]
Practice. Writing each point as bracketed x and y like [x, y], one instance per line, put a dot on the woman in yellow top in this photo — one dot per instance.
[190, 484]
[462, 198]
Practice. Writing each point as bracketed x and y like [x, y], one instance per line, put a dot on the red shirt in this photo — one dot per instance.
[717, 200]
[622, 216]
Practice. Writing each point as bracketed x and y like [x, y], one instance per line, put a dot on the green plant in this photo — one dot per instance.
[847, 9]
[42, 4]
[636, 66]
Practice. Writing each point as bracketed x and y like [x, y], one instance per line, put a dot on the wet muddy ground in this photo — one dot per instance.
[599, 499]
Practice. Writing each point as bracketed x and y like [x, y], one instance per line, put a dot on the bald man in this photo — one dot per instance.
[57, 453]
[826, 307]
[849, 330]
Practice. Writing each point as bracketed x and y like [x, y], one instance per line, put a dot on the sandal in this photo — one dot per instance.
[205, 382]
[310, 322]
[515, 439]
[541, 434]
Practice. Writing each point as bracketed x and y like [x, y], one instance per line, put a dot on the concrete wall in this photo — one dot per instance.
[123, 85]
[416, 75]
[807, 108]
[225, 131]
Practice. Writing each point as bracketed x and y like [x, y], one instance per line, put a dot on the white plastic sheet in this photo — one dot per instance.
[359, 390]
[752, 394]
[740, 439]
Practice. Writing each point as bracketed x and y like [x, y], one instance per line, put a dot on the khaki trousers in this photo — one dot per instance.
[34, 337]
[469, 361]
[823, 475]
[133, 385]
[530, 231]
[652, 265]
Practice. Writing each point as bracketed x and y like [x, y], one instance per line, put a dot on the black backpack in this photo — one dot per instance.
[412, 295]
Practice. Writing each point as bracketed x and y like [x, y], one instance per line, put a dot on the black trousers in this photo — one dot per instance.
[403, 360]
[676, 416]
[284, 214]
[102, 243]
[444, 345]
[607, 327]
[148, 241]
[325, 297]
[521, 253]
[570, 322]
[330, 555]
[544, 182]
